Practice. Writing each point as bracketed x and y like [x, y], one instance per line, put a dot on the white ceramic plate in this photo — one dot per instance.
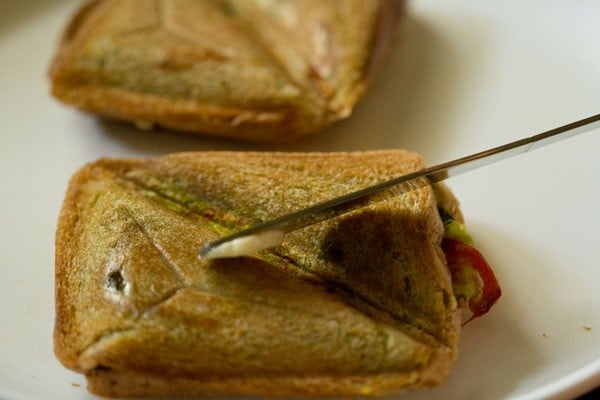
[463, 76]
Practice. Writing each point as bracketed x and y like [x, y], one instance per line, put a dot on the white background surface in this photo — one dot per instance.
[462, 76]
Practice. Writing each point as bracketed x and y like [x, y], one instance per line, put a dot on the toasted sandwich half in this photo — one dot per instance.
[362, 304]
[255, 70]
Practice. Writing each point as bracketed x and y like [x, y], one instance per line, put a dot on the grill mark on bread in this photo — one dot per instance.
[90, 351]
[342, 291]
[245, 30]
[227, 222]
[164, 254]
[174, 63]
[269, 256]
[297, 266]
[401, 321]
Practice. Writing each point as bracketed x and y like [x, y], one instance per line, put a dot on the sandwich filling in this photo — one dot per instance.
[473, 281]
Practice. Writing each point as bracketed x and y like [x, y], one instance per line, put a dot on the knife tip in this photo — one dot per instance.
[241, 246]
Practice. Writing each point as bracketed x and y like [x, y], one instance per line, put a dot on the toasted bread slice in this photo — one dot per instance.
[360, 304]
[263, 71]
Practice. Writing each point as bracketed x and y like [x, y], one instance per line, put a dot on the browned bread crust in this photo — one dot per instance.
[358, 305]
[260, 71]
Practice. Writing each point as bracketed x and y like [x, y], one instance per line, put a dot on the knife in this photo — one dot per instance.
[271, 233]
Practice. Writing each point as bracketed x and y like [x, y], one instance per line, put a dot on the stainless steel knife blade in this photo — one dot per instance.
[271, 233]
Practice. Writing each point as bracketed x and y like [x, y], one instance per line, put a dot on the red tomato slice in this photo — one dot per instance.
[472, 277]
